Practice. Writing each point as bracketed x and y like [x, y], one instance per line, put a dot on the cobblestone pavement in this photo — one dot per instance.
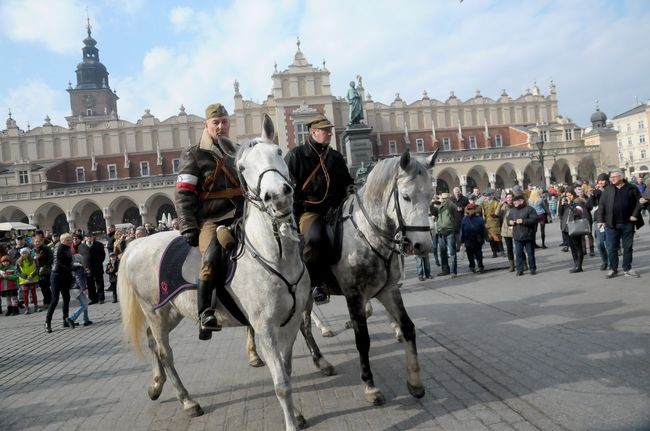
[555, 351]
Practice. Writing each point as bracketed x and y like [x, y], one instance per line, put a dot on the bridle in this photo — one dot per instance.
[395, 240]
[252, 197]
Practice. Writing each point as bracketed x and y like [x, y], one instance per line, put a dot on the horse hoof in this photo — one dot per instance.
[195, 411]
[153, 393]
[302, 422]
[375, 397]
[327, 370]
[327, 334]
[416, 391]
[256, 363]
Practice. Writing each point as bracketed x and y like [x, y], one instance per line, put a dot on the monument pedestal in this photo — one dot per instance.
[358, 147]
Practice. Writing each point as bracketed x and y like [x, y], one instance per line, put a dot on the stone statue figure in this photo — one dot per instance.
[362, 174]
[354, 101]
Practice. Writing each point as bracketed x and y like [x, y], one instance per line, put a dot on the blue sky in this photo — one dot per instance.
[161, 54]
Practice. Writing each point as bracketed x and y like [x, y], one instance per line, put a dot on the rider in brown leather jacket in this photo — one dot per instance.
[208, 198]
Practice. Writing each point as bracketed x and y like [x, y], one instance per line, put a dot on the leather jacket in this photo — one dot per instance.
[302, 161]
[196, 176]
[62, 263]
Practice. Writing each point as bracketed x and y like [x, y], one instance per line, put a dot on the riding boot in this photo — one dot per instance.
[319, 277]
[511, 268]
[591, 251]
[208, 322]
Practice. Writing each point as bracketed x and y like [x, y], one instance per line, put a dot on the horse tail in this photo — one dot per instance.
[132, 314]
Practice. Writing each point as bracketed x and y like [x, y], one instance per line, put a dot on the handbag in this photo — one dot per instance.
[578, 227]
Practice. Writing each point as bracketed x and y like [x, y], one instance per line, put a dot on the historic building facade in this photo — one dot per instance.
[102, 169]
[633, 148]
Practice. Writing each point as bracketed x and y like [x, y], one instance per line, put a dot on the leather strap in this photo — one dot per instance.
[228, 193]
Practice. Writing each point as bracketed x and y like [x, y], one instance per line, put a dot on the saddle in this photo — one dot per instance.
[171, 280]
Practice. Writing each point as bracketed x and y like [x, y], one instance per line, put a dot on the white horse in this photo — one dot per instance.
[387, 218]
[270, 285]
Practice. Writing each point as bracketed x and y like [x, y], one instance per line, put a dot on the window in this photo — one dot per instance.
[392, 147]
[498, 141]
[641, 125]
[144, 169]
[81, 174]
[568, 134]
[176, 165]
[629, 141]
[112, 171]
[302, 134]
[643, 154]
[446, 144]
[620, 142]
[472, 142]
[419, 145]
[543, 135]
[641, 139]
[23, 177]
[629, 128]
[630, 156]
[89, 112]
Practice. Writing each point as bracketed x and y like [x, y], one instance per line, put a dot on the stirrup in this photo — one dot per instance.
[319, 297]
[208, 321]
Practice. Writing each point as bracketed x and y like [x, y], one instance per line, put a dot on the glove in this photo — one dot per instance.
[192, 237]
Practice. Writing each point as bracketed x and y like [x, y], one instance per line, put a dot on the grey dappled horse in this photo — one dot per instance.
[386, 218]
[270, 285]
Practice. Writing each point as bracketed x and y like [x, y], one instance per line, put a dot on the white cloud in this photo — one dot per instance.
[54, 25]
[31, 102]
[181, 18]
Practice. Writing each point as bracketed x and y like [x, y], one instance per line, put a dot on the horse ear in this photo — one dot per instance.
[268, 129]
[228, 146]
[405, 159]
[431, 160]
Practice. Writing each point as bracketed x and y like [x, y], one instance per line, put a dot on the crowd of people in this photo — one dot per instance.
[70, 265]
[594, 217]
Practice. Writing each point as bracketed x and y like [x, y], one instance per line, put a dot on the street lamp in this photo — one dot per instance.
[540, 157]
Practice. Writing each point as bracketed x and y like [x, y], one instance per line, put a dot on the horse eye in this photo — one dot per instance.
[406, 198]
[241, 168]
[279, 152]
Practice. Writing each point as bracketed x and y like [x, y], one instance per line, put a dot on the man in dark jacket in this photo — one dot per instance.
[208, 198]
[619, 211]
[95, 268]
[523, 219]
[322, 181]
[461, 202]
[599, 233]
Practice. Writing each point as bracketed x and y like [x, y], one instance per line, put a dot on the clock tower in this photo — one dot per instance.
[91, 100]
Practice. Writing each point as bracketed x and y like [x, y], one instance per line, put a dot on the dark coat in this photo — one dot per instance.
[96, 257]
[62, 262]
[460, 203]
[568, 212]
[472, 231]
[526, 230]
[197, 165]
[302, 161]
[606, 205]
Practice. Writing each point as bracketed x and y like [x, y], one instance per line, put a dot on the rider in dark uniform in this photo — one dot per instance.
[322, 181]
[208, 198]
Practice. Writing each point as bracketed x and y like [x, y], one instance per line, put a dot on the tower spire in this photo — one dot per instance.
[88, 26]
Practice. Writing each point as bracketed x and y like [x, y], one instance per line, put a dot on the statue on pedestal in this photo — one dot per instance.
[354, 101]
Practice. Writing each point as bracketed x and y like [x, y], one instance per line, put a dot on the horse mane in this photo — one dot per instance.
[380, 179]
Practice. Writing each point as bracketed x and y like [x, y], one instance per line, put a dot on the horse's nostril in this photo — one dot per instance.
[267, 197]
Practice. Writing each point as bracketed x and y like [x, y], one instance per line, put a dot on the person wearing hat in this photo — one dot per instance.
[322, 180]
[208, 198]
[14, 252]
[28, 277]
[523, 220]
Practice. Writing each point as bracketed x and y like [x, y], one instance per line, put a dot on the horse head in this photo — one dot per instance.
[406, 190]
[263, 173]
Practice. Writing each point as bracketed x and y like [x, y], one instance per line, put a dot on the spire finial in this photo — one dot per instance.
[298, 43]
[10, 113]
[597, 105]
[88, 26]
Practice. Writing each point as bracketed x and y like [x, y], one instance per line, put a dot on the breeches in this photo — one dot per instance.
[214, 262]
[312, 228]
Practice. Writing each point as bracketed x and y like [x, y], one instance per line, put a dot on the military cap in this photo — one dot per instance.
[319, 122]
[215, 110]
[519, 197]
